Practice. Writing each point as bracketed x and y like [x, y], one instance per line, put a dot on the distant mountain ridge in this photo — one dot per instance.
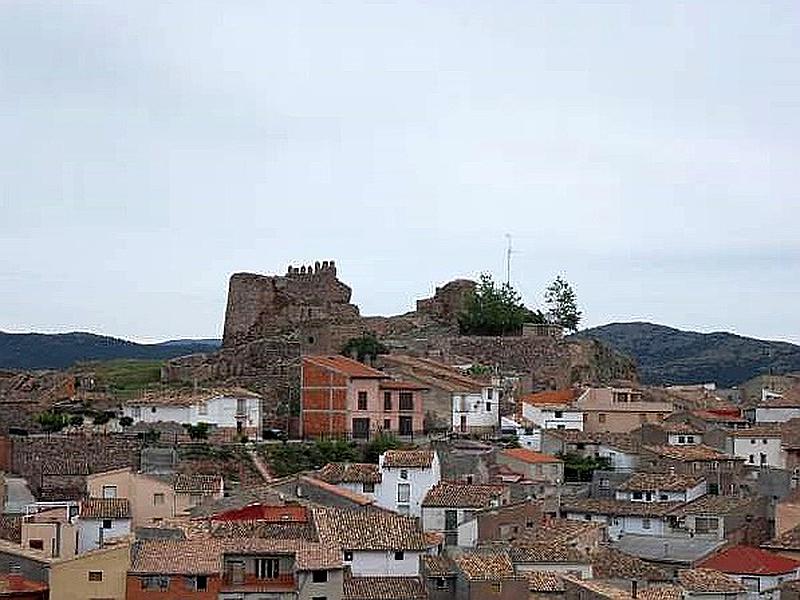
[29, 351]
[665, 355]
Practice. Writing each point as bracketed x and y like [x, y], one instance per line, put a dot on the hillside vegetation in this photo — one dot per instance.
[670, 356]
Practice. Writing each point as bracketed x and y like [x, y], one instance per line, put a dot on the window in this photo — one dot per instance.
[751, 459]
[399, 555]
[601, 418]
[763, 441]
[681, 439]
[752, 441]
[107, 524]
[136, 412]
[348, 556]
[95, 576]
[403, 493]
[109, 491]
[152, 409]
[645, 523]
[561, 426]
[36, 544]
[441, 583]
[319, 576]
[202, 408]
[403, 473]
[406, 400]
[158, 499]
[201, 583]
[559, 414]
[387, 424]
[150, 582]
[319, 598]
[605, 484]
[763, 458]
[690, 439]
[405, 426]
[497, 587]
[368, 487]
[488, 407]
[241, 406]
[663, 497]
[267, 568]
[489, 393]
[637, 495]
[387, 400]
[362, 400]
[706, 524]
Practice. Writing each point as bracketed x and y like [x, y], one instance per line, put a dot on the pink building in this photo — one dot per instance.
[343, 396]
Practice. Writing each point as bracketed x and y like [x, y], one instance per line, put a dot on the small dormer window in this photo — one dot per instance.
[348, 556]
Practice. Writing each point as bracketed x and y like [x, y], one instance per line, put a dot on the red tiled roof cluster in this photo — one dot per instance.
[530, 456]
[747, 560]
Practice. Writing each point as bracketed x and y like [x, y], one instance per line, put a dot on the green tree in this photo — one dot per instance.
[378, 445]
[365, 346]
[562, 305]
[197, 432]
[52, 422]
[493, 310]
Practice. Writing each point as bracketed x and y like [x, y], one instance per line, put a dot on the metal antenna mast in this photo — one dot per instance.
[508, 259]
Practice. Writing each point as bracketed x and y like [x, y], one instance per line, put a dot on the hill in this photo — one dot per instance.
[62, 350]
[670, 356]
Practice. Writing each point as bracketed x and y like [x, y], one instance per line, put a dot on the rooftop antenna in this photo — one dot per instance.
[509, 252]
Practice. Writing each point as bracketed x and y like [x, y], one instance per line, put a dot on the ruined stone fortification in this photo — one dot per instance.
[271, 321]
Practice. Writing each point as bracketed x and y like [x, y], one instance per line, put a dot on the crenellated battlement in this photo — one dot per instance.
[327, 268]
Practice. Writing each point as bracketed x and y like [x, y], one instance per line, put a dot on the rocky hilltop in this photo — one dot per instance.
[272, 320]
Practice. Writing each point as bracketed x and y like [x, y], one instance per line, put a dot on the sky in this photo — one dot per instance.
[646, 150]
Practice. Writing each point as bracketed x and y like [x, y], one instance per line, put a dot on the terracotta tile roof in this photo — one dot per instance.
[621, 441]
[601, 588]
[383, 588]
[544, 581]
[530, 456]
[557, 397]
[105, 508]
[354, 497]
[263, 529]
[408, 458]
[747, 560]
[438, 566]
[681, 428]
[197, 484]
[369, 530]
[694, 453]
[546, 552]
[349, 473]
[714, 505]
[706, 581]
[788, 540]
[184, 557]
[559, 530]
[665, 591]
[607, 506]
[485, 565]
[462, 495]
[346, 366]
[758, 431]
[665, 482]
[187, 397]
[790, 434]
[204, 556]
[435, 374]
[610, 563]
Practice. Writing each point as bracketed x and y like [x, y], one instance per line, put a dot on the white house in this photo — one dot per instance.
[620, 516]
[553, 410]
[375, 542]
[756, 569]
[362, 478]
[662, 487]
[528, 435]
[449, 508]
[406, 478]
[622, 459]
[759, 446]
[237, 410]
[476, 410]
[101, 520]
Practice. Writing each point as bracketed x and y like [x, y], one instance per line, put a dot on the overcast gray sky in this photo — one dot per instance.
[647, 150]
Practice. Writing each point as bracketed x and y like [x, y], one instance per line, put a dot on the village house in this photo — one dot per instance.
[549, 557]
[406, 477]
[622, 517]
[52, 528]
[449, 508]
[544, 470]
[508, 521]
[235, 411]
[101, 520]
[757, 570]
[375, 542]
[528, 434]
[709, 584]
[661, 487]
[727, 518]
[362, 478]
[775, 408]
[553, 409]
[439, 574]
[231, 568]
[488, 574]
[679, 433]
[154, 498]
[759, 446]
[722, 471]
[620, 449]
[618, 410]
[341, 396]
[453, 400]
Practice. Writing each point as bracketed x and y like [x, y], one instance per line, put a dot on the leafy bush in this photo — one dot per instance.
[378, 445]
[365, 346]
[287, 459]
[52, 422]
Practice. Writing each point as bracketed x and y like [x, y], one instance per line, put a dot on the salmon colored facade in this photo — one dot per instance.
[341, 396]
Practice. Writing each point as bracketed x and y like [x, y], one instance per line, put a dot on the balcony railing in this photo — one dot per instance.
[253, 583]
